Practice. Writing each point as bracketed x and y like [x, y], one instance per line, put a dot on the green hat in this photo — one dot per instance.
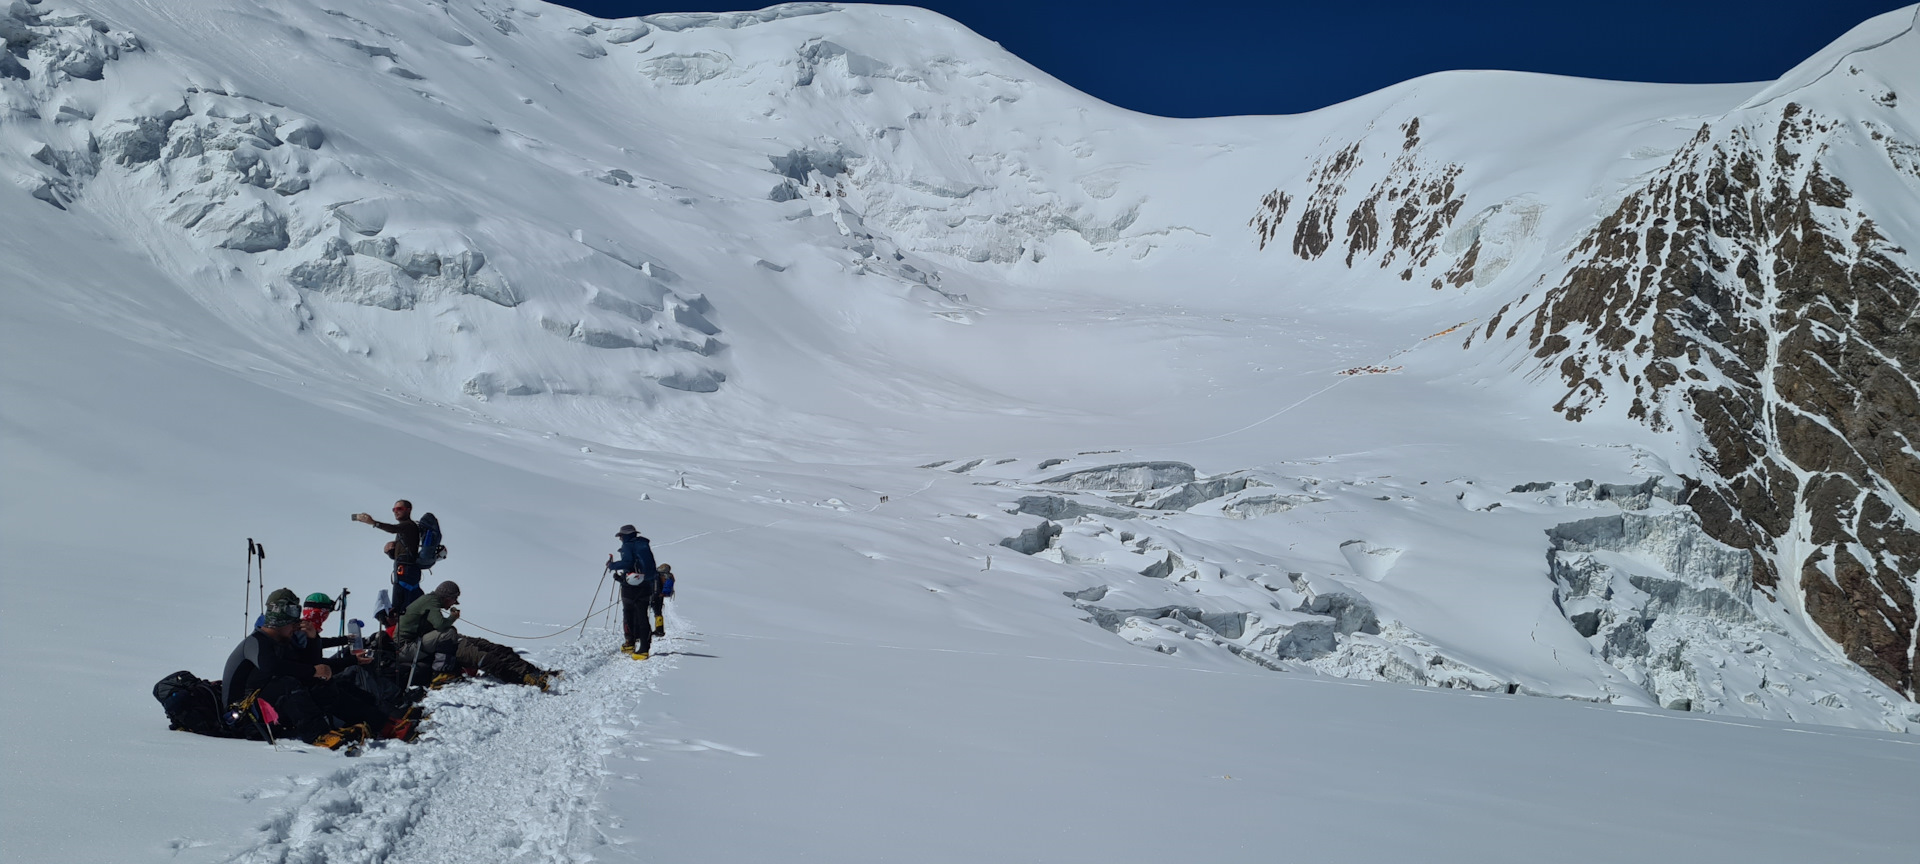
[317, 600]
[283, 608]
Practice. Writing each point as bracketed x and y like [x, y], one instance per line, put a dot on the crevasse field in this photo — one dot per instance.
[1029, 502]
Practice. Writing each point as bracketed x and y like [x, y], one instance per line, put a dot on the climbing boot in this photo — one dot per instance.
[442, 680]
[659, 625]
[344, 736]
[626, 647]
[536, 679]
[637, 655]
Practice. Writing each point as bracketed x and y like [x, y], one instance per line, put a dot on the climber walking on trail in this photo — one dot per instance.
[404, 550]
[639, 582]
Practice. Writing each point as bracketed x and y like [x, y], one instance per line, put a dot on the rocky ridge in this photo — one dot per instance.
[1749, 298]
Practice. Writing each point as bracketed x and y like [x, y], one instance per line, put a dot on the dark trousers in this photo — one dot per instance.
[308, 709]
[403, 596]
[639, 628]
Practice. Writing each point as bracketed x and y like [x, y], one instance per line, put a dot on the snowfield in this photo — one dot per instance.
[1045, 481]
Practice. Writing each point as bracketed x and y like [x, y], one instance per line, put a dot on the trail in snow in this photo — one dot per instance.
[1316, 394]
[503, 773]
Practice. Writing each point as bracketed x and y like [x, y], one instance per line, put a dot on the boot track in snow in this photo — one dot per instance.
[502, 773]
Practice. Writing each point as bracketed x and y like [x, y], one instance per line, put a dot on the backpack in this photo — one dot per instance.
[666, 584]
[193, 705]
[431, 550]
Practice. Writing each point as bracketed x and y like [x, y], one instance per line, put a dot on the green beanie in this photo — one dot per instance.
[317, 600]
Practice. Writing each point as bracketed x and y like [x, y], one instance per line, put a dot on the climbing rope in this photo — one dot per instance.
[463, 620]
[594, 598]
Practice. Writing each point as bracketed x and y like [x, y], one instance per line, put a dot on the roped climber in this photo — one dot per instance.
[639, 582]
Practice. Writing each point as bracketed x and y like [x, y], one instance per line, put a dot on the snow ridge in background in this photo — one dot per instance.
[1193, 387]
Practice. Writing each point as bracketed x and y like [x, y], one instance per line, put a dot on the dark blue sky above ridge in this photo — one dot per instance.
[1204, 58]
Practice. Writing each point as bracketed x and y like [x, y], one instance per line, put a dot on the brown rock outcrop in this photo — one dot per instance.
[1745, 293]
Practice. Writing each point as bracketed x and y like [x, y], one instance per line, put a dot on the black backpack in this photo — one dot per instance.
[193, 705]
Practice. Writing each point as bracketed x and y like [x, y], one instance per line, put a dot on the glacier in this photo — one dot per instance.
[1032, 463]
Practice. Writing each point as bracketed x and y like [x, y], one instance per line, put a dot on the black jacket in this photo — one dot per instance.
[256, 662]
[406, 539]
[636, 556]
[311, 650]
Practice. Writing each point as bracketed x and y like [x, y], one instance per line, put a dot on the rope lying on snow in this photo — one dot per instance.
[549, 635]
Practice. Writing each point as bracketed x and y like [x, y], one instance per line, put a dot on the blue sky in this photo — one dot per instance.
[1203, 58]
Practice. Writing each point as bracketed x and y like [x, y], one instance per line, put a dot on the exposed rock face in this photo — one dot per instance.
[1398, 222]
[1747, 296]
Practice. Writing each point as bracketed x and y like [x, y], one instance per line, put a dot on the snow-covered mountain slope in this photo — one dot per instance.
[835, 686]
[949, 381]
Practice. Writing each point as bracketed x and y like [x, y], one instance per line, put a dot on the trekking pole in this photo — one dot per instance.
[247, 597]
[342, 612]
[261, 550]
[415, 667]
[595, 597]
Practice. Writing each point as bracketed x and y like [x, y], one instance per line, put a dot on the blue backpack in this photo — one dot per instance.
[431, 550]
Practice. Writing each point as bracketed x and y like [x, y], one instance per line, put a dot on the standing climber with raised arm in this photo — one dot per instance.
[638, 583]
[404, 550]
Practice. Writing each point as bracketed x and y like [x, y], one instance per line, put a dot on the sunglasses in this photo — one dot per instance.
[402, 509]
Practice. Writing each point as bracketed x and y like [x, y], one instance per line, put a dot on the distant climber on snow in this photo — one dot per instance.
[639, 586]
[426, 634]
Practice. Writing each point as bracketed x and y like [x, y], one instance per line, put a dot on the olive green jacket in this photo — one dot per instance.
[424, 614]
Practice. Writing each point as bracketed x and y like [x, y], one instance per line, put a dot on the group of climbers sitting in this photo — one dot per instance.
[279, 682]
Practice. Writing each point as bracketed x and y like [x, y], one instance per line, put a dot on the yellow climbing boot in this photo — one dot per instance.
[343, 736]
